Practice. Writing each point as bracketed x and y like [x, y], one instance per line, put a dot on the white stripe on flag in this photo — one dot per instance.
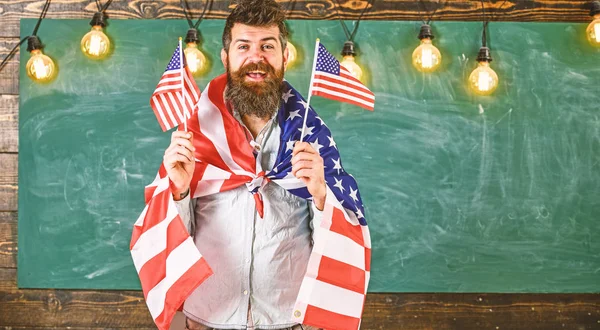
[179, 261]
[214, 130]
[353, 90]
[343, 95]
[340, 248]
[290, 183]
[331, 298]
[166, 106]
[153, 241]
[177, 107]
[161, 112]
[358, 85]
[208, 187]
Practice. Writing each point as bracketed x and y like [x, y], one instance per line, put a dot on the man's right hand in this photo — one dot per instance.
[179, 161]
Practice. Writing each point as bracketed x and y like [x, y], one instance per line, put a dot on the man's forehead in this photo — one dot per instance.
[253, 33]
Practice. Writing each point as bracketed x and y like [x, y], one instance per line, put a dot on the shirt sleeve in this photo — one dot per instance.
[316, 216]
[185, 208]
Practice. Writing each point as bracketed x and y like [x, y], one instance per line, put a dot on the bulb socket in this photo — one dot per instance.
[484, 55]
[192, 36]
[425, 32]
[33, 43]
[595, 10]
[348, 49]
[98, 19]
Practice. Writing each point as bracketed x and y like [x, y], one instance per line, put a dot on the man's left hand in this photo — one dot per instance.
[307, 165]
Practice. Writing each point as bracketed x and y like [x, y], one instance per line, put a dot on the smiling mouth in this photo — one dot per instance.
[256, 75]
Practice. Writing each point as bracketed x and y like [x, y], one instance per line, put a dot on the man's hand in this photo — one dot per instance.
[179, 163]
[307, 165]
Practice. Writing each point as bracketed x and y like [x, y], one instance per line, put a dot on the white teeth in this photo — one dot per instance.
[260, 72]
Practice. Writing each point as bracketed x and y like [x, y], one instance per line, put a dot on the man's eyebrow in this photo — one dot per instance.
[263, 39]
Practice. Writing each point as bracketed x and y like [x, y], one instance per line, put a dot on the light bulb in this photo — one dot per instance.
[483, 80]
[292, 54]
[196, 61]
[95, 44]
[593, 31]
[426, 57]
[40, 68]
[349, 63]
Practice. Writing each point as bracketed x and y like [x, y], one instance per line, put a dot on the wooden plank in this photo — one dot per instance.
[8, 239]
[8, 182]
[455, 10]
[9, 76]
[9, 123]
[115, 309]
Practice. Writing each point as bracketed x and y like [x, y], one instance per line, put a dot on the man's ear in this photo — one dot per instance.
[224, 57]
[286, 54]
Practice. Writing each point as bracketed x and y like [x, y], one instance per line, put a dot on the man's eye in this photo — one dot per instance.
[268, 47]
[243, 47]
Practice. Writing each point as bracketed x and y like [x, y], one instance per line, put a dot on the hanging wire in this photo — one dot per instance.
[35, 30]
[103, 9]
[425, 9]
[349, 35]
[188, 16]
[486, 22]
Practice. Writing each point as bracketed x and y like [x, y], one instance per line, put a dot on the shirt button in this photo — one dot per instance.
[247, 261]
[245, 292]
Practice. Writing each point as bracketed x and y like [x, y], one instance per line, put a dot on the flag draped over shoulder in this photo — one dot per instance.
[333, 291]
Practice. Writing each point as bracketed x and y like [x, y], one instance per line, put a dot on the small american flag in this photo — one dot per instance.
[333, 81]
[176, 95]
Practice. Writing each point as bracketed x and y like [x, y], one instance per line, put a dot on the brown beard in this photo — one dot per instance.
[261, 99]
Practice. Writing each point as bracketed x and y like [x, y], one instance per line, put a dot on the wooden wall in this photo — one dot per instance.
[84, 309]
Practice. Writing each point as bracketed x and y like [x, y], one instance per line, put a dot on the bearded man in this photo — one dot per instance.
[257, 242]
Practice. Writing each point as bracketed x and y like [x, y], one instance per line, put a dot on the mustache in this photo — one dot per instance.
[258, 66]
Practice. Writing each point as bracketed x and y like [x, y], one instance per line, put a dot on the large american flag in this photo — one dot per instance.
[176, 94]
[333, 81]
[334, 288]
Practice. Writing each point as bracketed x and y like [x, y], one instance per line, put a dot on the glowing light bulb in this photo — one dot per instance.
[95, 44]
[426, 57]
[40, 68]
[483, 80]
[292, 54]
[348, 61]
[196, 60]
[593, 31]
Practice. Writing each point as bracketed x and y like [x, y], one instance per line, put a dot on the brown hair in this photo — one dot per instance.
[256, 13]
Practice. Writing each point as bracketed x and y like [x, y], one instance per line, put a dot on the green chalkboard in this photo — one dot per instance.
[463, 193]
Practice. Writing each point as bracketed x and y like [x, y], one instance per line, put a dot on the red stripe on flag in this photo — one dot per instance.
[154, 271]
[181, 290]
[360, 87]
[341, 275]
[346, 91]
[241, 151]
[341, 99]
[329, 320]
[340, 225]
[157, 211]
[367, 259]
[157, 113]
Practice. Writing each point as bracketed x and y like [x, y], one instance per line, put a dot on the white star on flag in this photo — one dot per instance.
[287, 95]
[336, 165]
[331, 142]
[359, 213]
[338, 184]
[304, 104]
[293, 114]
[309, 130]
[316, 146]
[289, 145]
[353, 194]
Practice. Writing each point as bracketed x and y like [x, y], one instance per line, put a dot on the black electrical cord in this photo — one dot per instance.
[103, 9]
[425, 9]
[35, 30]
[349, 35]
[188, 16]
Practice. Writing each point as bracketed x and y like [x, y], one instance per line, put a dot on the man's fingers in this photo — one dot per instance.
[183, 142]
[179, 150]
[305, 173]
[181, 134]
[303, 146]
[305, 156]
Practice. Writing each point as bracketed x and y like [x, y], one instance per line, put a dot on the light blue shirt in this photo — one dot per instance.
[258, 263]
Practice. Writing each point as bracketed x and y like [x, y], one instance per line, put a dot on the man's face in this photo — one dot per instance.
[255, 64]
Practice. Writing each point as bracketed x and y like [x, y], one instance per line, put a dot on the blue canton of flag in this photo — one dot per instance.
[290, 118]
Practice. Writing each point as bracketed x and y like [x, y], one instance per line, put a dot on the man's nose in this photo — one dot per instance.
[256, 55]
